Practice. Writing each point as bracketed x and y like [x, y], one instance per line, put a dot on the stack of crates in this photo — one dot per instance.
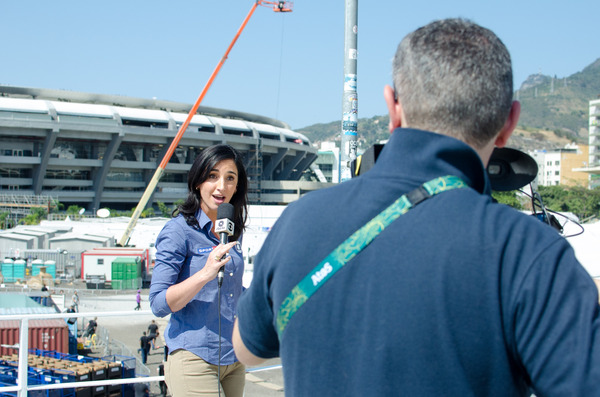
[47, 367]
[126, 273]
[117, 369]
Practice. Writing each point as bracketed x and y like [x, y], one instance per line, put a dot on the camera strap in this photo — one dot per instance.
[356, 243]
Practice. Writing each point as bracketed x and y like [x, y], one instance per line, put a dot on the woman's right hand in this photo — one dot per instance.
[178, 295]
[217, 258]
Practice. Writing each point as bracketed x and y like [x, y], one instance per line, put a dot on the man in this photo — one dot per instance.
[75, 301]
[91, 327]
[459, 296]
[144, 347]
[153, 333]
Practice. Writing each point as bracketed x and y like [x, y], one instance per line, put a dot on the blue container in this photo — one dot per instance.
[49, 265]
[80, 359]
[7, 270]
[19, 269]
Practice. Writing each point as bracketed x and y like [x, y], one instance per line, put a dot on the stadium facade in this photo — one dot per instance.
[100, 151]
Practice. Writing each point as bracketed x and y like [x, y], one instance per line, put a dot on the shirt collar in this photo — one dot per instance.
[423, 155]
[203, 220]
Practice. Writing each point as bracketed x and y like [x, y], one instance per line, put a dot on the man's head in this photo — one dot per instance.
[454, 77]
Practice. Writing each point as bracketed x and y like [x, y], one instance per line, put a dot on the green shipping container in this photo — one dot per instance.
[125, 268]
[117, 266]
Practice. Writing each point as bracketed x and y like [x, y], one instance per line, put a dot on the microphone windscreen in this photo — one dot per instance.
[225, 211]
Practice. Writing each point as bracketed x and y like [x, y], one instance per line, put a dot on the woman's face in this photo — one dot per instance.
[219, 187]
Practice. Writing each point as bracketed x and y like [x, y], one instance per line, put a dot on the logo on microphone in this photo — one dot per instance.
[321, 273]
[224, 226]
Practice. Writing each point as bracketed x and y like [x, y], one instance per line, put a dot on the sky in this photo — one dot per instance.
[288, 66]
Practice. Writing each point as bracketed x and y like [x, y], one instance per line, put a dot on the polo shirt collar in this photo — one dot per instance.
[423, 155]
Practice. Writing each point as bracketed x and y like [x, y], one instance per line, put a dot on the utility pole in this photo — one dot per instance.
[350, 97]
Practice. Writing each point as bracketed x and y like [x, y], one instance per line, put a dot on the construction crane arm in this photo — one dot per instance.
[277, 6]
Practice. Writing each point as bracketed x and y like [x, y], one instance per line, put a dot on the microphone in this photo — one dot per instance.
[225, 227]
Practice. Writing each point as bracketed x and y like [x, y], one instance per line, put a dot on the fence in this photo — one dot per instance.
[23, 387]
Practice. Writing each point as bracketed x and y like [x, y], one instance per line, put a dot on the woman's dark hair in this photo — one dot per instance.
[203, 165]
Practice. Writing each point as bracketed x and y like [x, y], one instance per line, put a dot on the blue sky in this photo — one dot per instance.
[287, 66]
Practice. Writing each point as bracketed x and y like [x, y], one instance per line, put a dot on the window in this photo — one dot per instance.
[557, 162]
[100, 261]
[556, 172]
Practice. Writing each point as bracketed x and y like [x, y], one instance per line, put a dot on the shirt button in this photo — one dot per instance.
[231, 274]
[231, 295]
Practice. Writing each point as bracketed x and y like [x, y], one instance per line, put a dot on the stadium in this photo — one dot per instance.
[99, 151]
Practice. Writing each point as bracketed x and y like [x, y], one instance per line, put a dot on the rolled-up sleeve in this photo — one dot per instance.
[171, 252]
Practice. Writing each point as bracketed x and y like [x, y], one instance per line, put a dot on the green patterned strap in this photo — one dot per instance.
[355, 243]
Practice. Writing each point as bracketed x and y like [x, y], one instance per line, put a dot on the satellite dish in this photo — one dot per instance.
[103, 213]
[81, 211]
[510, 169]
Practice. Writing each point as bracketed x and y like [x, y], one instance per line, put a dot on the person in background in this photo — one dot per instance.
[75, 301]
[138, 300]
[144, 347]
[162, 384]
[188, 256]
[458, 295]
[91, 327]
[153, 333]
[141, 390]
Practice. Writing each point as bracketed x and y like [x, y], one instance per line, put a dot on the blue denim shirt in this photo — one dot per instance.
[180, 252]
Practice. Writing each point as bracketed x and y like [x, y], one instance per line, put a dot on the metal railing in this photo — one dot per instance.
[22, 387]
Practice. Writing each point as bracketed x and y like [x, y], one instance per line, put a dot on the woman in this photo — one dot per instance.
[184, 284]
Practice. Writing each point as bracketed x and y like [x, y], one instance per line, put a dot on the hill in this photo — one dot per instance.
[554, 112]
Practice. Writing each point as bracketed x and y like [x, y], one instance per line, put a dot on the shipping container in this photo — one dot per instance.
[121, 264]
[48, 334]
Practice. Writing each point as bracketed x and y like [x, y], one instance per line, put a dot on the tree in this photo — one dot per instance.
[147, 213]
[508, 198]
[73, 210]
[582, 202]
[164, 210]
[35, 217]
[4, 219]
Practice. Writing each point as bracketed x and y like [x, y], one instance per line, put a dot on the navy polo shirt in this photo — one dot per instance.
[460, 296]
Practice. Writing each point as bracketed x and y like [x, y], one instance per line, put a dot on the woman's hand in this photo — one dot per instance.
[181, 294]
[217, 258]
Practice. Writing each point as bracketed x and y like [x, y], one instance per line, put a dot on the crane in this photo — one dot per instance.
[277, 6]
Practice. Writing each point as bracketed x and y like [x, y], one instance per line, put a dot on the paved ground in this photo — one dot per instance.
[264, 381]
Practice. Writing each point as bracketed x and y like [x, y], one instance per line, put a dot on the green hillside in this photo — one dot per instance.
[554, 111]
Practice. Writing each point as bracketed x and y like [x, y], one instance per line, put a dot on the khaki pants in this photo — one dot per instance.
[188, 375]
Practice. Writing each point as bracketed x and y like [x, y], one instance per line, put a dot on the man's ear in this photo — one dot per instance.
[509, 125]
[394, 108]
